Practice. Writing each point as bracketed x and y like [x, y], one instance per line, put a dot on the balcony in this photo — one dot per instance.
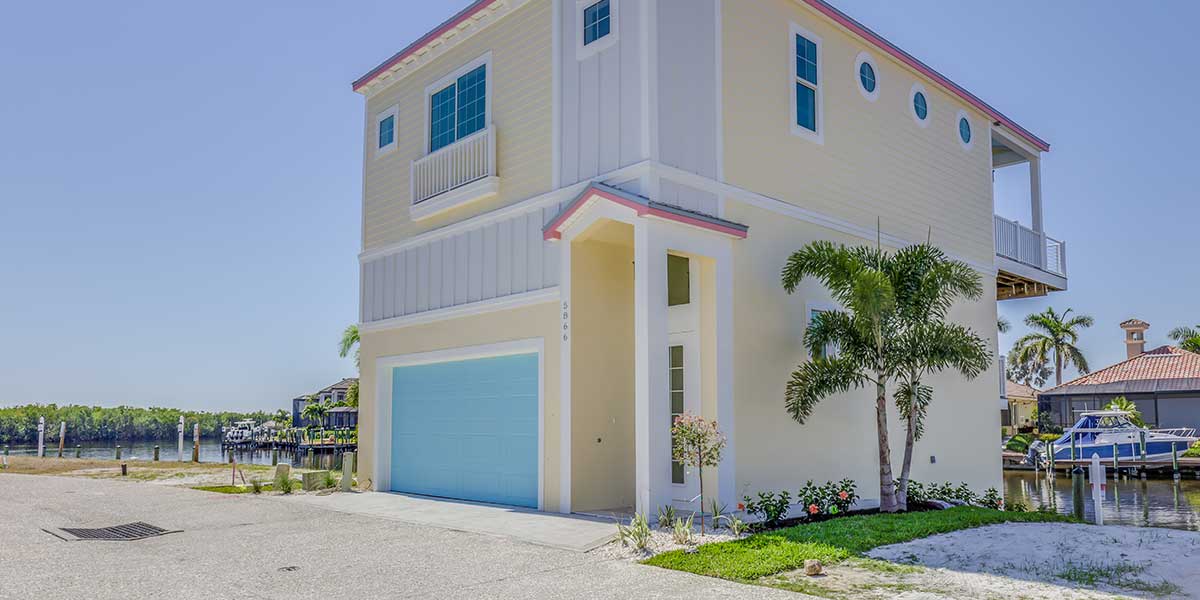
[462, 172]
[1029, 262]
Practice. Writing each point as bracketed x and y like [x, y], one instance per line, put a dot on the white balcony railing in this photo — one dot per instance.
[470, 159]
[1024, 245]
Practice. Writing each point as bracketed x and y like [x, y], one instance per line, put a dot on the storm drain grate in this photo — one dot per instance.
[119, 533]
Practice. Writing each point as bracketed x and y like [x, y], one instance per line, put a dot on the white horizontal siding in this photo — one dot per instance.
[491, 261]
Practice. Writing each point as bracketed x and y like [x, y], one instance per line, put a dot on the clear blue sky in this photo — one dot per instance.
[180, 182]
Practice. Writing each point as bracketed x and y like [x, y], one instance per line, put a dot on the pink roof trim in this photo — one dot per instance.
[454, 21]
[858, 28]
[552, 230]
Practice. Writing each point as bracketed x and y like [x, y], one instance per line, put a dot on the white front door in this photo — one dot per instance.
[683, 347]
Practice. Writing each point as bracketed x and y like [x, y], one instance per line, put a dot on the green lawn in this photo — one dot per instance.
[830, 541]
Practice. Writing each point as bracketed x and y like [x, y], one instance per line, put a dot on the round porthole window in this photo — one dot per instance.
[919, 104]
[868, 78]
[964, 129]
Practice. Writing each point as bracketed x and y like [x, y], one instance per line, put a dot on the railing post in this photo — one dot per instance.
[491, 158]
[1062, 258]
[1043, 250]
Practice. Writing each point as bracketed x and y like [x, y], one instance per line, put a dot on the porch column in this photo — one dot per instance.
[726, 471]
[652, 418]
[1035, 207]
[564, 375]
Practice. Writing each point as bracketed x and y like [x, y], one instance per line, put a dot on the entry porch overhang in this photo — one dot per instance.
[650, 232]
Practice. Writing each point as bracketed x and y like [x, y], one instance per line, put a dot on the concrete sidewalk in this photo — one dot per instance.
[567, 532]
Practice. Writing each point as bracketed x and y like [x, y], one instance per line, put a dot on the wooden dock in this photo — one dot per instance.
[1189, 467]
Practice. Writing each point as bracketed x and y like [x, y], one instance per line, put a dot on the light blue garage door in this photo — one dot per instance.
[467, 429]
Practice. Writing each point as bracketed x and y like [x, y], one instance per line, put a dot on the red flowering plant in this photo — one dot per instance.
[828, 499]
[697, 443]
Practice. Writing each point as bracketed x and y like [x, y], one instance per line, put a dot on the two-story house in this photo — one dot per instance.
[575, 214]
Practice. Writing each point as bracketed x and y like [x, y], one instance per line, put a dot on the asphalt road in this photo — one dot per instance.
[262, 547]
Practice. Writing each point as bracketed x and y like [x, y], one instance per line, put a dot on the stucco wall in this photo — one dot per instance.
[839, 440]
[875, 162]
[541, 320]
[521, 74]
[602, 386]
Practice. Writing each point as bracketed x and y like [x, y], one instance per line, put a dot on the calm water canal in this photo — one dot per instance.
[210, 451]
[1144, 503]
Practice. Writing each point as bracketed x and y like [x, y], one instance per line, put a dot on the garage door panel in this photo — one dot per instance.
[467, 429]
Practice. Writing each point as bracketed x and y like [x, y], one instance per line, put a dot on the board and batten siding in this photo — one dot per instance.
[498, 259]
[876, 162]
[522, 104]
[601, 97]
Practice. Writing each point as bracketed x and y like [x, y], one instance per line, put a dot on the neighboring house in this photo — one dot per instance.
[1020, 406]
[331, 394]
[341, 417]
[1164, 383]
[574, 219]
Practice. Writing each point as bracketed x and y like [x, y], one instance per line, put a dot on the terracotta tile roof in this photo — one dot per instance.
[1013, 389]
[1135, 323]
[1161, 369]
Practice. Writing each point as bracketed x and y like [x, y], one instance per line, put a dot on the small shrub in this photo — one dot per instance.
[682, 531]
[1193, 452]
[736, 526]
[1016, 507]
[285, 485]
[330, 480]
[1019, 443]
[637, 534]
[917, 493]
[770, 507]
[718, 511]
[845, 495]
[963, 494]
[666, 516]
[991, 499]
[256, 485]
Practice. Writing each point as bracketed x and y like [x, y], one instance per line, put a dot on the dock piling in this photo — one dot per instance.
[1175, 461]
[119, 454]
[78, 451]
[274, 456]
[156, 454]
[1116, 461]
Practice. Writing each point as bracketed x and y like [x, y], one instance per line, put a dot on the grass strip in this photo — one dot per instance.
[772, 552]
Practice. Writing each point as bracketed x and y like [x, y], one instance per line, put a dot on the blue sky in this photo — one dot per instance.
[180, 182]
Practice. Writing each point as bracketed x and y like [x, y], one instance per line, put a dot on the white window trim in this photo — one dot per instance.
[441, 84]
[962, 114]
[817, 136]
[864, 57]
[583, 52]
[819, 306]
[394, 112]
[381, 477]
[912, 109]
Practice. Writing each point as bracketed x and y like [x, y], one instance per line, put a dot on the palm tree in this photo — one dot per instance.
[315, 411]
[349, 340]
[1002, 325]
[1055, 334]
[891, 331]
[1188, 338]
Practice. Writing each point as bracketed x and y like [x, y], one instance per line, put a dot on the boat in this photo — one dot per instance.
[241, 431]
[1103, 432]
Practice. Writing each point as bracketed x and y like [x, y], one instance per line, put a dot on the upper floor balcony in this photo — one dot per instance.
[1028, 262]
[455, 175]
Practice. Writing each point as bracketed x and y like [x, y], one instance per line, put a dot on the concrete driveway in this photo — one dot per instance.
[567, 532]
[265, 547]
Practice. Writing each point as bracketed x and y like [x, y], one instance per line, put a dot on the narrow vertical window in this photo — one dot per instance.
[597, 21]
[679, 280]
[676, 366]
[806, 83]
[806, 79]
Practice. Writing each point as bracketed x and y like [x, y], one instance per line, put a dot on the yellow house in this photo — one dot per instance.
[575, 214]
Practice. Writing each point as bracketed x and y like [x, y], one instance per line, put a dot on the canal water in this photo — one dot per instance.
[210, 451]
[1131, 501]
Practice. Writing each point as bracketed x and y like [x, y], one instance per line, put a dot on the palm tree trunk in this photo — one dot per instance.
[1057, 367]
[910, 439]
[887, 489]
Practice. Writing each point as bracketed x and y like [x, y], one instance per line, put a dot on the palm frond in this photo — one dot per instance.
[912, 397]
[818, 379]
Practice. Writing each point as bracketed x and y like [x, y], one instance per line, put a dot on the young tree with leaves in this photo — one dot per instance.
[1055, 336]
[697, 443]
[350, 340]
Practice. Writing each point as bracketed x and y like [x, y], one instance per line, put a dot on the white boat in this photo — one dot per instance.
[241, 431]
[1105, 432]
